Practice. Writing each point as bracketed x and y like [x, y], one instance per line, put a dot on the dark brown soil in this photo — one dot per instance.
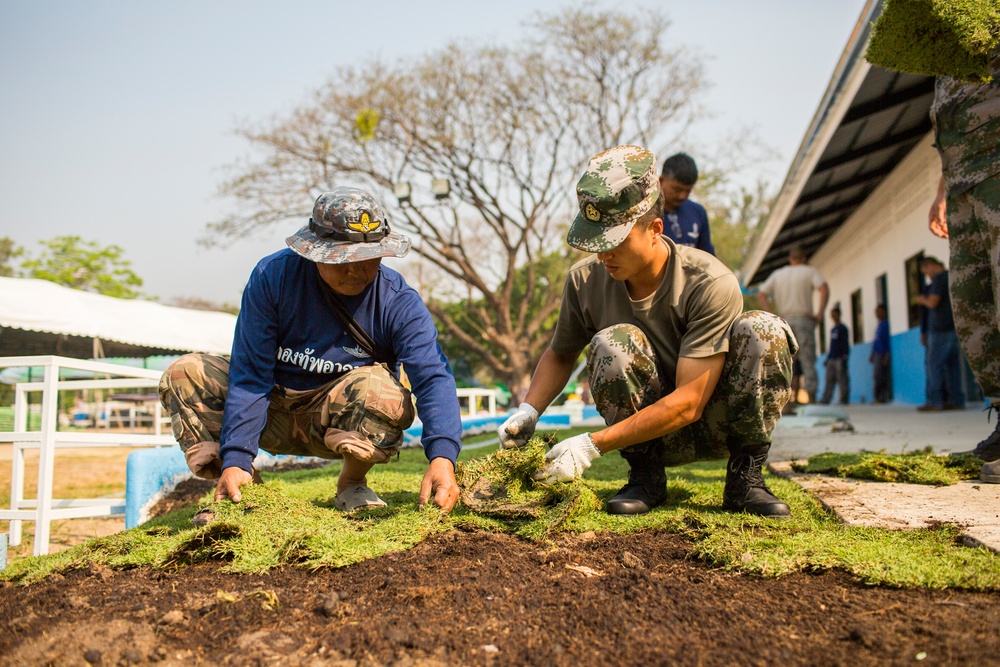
[484, 599]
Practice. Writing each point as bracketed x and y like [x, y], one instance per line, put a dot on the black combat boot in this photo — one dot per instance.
[646, 487]
[745, 488]
[989, 449]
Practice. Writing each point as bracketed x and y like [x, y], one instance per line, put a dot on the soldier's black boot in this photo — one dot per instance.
[989, 449]
[646, 487]
[745, 488]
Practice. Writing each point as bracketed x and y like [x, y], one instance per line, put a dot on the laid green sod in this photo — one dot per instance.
[290, 521]
[918, 467]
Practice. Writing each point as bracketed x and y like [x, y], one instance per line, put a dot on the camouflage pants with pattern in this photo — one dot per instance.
[744, 408]
[365, 410]
[804, 361]
[974, 274]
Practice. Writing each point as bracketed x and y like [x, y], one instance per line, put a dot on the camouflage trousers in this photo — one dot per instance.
[804, 328]
[362, 413]
[743, 410]
[974, 276]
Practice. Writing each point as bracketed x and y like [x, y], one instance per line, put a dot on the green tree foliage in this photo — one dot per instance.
[509, 127]
[467, 315]
[8, 251]
[734, 218]
[84, 265]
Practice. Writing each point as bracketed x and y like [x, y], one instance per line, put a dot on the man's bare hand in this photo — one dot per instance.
[439, 483]
[937, 217]
[230, 482]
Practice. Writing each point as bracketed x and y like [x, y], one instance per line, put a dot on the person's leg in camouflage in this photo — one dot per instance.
[804, 328]
[359, 417]
[193, 393]
[625, 378]
[738, 420]
[974, 277]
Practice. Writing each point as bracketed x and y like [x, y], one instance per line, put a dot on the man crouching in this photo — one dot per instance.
[678, 371]
[305, 380]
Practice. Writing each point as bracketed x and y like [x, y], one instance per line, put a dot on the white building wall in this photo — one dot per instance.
[885, 231]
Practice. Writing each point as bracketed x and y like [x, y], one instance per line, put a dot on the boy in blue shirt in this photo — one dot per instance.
[836, 361]
[299, 382]
[684, 221]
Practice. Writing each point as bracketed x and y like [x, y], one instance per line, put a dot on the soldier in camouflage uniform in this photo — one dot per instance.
[967, 212]
[678, 371]
[304, 380]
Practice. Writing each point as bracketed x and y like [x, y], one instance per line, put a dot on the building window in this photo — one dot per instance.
[914, 287]
[857, 318]
[882, 292]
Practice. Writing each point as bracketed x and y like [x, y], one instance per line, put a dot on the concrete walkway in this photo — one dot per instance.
[971, 505]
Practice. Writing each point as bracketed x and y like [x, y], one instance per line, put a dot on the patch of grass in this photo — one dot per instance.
[937, 37]
[917, 467]
[291, 521]
[499, 486]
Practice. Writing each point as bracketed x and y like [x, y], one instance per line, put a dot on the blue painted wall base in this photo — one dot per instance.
[147, 472]
[908, 374]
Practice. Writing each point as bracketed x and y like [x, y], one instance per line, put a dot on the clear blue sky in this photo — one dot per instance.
[118, 116]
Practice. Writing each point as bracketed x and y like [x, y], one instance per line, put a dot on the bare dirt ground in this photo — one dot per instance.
[484, 599]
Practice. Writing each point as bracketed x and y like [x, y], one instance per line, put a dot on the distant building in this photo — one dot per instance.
[856, 197]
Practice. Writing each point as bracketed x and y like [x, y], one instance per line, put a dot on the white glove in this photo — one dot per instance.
[568, 459]
[519, 427]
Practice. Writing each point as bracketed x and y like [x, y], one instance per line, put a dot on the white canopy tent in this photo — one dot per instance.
[41, 317]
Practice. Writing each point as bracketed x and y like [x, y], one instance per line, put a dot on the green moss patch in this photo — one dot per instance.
[955, 38]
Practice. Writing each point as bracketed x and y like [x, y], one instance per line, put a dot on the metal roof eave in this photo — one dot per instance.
[847, 78]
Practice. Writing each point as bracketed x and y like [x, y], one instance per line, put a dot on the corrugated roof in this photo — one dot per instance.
[869, 120]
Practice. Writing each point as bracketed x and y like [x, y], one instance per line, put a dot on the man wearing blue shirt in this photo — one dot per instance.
[943, 361]
[684, 221]
[300, 382]
[881, 359]
[836, 361]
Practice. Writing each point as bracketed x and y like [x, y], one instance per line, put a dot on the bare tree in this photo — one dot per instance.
[509, 127]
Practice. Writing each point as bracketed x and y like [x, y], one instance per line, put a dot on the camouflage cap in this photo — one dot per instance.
[620, 186]
[347, 225]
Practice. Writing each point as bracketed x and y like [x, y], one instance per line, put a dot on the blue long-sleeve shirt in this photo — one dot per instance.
[880, 346]
[839, 348]
[688, 225]
[287, 335]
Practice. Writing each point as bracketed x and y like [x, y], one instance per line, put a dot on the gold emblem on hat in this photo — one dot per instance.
[591, 212]
[365, 224]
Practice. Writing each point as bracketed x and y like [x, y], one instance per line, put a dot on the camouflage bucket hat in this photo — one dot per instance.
[347, 225]
[619, 187]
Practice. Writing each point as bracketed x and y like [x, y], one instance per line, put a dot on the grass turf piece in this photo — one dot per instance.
[499, 486]
[811, 540]
[917, 467]
[954, 38]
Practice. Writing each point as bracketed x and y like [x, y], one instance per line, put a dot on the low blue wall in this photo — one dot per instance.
[146, 472]
[908, 373]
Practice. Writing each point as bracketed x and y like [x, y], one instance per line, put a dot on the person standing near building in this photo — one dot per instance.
[684, 221]
[943, 361]
[881, 359]
[966, 211]
[836, 361]
[789, 293]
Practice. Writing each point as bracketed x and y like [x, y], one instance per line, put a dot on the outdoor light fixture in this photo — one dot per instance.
[402, 192]
[441, 187]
